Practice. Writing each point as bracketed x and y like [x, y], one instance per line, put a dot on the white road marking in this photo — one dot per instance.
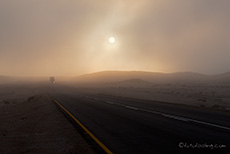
[209, 124]
[151, 111]
[170, 116]
[110, 102]
[175, 117]
[133, 108]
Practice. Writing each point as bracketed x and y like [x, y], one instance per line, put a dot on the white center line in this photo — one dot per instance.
[110, 102]
[170, 116]
[133, 108]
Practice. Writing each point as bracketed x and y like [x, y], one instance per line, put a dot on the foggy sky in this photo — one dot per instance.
[70, 37]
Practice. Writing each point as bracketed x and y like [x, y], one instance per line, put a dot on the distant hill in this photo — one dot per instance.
[223, 78]
[154, 77]
[224, 75]
[132, 83]
[4, 79]
[115, 76]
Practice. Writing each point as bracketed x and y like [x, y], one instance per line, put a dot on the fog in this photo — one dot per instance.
[68, 38]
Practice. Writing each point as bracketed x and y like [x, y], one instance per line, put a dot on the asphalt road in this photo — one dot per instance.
[132, 126]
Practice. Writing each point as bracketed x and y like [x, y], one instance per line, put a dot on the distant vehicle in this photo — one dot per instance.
[52, 80]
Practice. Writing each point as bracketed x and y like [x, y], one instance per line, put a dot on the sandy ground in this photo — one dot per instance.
[207, 96]
[30, 123]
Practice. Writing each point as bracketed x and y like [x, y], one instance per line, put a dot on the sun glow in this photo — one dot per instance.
[112, 40]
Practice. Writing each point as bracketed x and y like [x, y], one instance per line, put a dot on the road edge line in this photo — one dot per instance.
[82, 126]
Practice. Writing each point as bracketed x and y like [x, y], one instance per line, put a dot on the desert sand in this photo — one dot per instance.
[31, 123]
[187, 88]
[208, 97]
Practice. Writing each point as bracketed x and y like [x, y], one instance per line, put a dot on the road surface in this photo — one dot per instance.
[132, 126]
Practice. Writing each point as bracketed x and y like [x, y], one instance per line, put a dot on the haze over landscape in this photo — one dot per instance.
[122, 77]
[69, 38]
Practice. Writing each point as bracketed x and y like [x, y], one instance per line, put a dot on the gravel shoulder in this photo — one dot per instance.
[33, 124]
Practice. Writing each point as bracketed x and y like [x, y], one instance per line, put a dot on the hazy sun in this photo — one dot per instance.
[112, 40]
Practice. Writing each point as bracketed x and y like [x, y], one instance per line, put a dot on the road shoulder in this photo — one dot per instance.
[35, 125]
